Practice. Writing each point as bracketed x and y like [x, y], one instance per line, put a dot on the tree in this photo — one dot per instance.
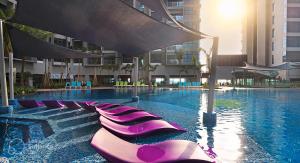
[6, 14]
[208, 56]
[128, 68]
[149, 68]
[196, 66]
[179, 56]
[184, 69]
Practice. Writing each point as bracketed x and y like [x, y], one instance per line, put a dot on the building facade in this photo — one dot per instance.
[171, 63]
[273, 30]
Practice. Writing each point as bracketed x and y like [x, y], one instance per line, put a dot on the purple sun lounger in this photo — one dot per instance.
[71, 104]
[53, 104]
[93, 106]
[118, 110]
[30, 103]
[105, 106]
[128, 117]
[140, 129]
[118, 150]
[89, 105]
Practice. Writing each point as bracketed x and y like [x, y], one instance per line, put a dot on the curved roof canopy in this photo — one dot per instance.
[112, 24]
[26, 45]
[283, 66]
[160, 9]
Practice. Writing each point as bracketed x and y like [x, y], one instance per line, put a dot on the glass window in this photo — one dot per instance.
[293, 1]
[176, 80]
[293, 12]
[293, 26]
[159, 80]
[293, 41]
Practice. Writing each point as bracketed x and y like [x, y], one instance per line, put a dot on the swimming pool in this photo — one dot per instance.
[254, 125]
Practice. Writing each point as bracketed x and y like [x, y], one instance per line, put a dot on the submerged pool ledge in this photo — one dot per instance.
[6, 109]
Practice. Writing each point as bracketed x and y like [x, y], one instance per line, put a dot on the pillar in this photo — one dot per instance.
[71, 69]
[134, 4]
[11, 77]
[4, 108]
[135, 96]
[209, 117]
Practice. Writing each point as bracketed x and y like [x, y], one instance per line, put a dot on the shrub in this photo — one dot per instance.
[24, 90]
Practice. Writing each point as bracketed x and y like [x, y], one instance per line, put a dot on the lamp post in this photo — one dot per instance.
[210, 117]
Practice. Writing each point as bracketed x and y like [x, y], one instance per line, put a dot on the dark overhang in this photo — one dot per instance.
[112, 24]
[25, 45]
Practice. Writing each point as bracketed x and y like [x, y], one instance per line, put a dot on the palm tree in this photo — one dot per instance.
[95, 79]
[6, 14]
[128, 68]
[179, 55]
[196, 66]
[208, 56]
[184, 69]
[149, 68]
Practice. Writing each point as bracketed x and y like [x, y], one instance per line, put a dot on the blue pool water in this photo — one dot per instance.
[257, 125]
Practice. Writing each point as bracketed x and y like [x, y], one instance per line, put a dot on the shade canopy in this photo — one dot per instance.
[112, 24]
[158, 7]
[161, 11]
[284, 66]
[25, 45]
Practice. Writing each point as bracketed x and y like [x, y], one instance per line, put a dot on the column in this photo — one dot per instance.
[134, 4]
[135, 96]
[209, 118]
[11, 76]
[148, 73]
[2, 69]
[71, 69]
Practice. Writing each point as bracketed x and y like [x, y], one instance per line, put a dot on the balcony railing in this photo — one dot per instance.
[175, 4]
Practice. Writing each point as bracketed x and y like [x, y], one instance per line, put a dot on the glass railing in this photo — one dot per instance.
[175, 4]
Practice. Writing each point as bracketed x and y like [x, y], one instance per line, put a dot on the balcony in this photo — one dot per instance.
[178, 4]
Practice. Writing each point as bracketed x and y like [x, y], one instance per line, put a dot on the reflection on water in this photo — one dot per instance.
[223, 138]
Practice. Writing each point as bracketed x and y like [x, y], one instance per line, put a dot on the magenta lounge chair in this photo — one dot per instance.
[129, 117]
[53, 104]
[105, 106]
[89, 105]
[118, 110]
[140, 129]
[118, 150]
[71, 104]
[30, 103]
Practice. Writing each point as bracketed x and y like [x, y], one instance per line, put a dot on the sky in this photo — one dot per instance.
[223, 18]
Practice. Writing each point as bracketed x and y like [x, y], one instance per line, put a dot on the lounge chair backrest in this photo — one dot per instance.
[53, 104]
[71, 104]
[89, 83]
[73, 84]
[30, 103]
[68, 84]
